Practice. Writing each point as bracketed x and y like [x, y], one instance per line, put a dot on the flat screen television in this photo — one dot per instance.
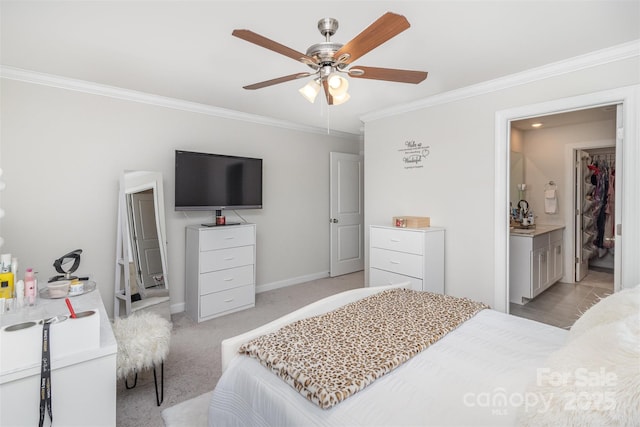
[206, 182]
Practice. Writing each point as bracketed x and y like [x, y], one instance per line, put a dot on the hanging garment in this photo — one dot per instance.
[601, 217]
[609, 224]
[550, 201]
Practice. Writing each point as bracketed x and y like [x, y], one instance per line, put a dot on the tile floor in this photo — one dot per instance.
[563, 303]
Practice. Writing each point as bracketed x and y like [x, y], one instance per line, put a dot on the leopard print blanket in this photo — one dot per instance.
[329, 357]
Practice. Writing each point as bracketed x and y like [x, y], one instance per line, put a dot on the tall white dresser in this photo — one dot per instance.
[399, 255]
[220, 270]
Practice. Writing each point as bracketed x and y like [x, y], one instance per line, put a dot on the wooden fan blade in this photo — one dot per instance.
[384, 28]
[277, 81]
[389, 74]
[325, 86]
[262, 41]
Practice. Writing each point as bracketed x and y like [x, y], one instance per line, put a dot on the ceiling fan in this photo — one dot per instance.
[330, 59]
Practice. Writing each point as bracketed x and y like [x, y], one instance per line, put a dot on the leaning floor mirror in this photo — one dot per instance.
[141, 280]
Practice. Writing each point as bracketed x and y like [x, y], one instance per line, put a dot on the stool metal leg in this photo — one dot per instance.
[155, 381]
[135, 381]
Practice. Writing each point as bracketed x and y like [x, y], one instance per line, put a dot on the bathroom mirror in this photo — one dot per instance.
[516, 176]
[142, 244]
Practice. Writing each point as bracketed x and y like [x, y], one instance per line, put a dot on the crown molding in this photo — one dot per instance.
[51, 80]
[600, 57]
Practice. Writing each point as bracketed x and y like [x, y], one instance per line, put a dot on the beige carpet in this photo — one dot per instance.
[193, 365]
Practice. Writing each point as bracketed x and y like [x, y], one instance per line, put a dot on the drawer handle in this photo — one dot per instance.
[228, 279]
[228, 300]
[394, 262]
[229, 258]
[395, 240]
[229, 238]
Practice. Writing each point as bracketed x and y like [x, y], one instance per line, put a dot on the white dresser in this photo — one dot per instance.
[220, 270]
[407, 254]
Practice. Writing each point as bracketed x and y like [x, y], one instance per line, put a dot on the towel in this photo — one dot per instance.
[550, 201]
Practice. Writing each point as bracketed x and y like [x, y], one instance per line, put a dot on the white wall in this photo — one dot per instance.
[63, 152]
[544, 153]
[456, 186]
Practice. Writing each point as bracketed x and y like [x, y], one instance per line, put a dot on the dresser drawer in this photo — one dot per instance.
[221, 280]
[226, 258]
[397, 240]
[223, 237]
[379, 277]
[397, 262]
[219, 302]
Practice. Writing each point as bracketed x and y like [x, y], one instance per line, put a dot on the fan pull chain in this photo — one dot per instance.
[326, 106]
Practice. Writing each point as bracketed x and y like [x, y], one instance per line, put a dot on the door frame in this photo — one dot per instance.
[630, 154]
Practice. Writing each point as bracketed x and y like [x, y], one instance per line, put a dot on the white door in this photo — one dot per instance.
[618, 242]
[146, 245]
[346, 213]
[581, 173]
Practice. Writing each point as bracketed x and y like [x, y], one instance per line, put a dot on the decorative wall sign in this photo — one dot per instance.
[413, 154]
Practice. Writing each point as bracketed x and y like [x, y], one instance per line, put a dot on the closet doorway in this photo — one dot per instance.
[595, 206]
[573, 154]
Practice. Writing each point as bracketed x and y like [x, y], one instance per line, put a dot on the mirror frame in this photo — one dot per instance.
[134, 181]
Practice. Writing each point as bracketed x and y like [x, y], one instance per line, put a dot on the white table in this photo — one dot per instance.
[83, 382]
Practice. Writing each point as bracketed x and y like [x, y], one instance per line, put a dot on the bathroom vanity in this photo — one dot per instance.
[83, 363]
[535, 261]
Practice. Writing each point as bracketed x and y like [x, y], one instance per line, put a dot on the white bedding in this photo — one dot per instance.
[463, 379]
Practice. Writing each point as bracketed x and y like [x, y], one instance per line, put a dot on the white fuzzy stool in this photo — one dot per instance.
[143, 343]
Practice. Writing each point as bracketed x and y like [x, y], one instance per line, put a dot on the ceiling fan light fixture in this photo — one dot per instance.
[341, 99]
[338, 85]
[329, 59]
[310, 90]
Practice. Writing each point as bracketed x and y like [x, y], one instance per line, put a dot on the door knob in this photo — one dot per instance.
[333, 220]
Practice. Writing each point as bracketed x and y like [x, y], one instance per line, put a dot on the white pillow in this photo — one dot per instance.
[594, 380]
[610, 309]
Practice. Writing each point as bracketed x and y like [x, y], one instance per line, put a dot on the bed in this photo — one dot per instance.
[494, 370]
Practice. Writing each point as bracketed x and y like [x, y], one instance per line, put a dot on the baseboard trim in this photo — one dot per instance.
[177, 308]
[290, 282]
[181, 306]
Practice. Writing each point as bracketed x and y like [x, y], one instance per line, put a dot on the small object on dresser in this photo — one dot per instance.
[412, 221]
[30, 286]
[76, 287]
[58, 289]
[70, 307]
